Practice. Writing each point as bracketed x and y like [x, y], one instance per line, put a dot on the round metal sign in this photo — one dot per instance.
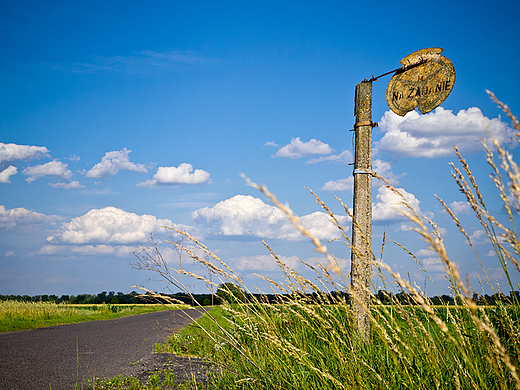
[425, 81]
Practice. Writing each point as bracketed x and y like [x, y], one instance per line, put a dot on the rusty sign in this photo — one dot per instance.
[424, 81]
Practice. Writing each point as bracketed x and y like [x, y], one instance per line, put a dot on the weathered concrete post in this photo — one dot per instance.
[362, 223]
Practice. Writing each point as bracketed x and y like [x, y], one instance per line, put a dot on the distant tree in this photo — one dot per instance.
[102, 296]
[384, 296]
[231, 293]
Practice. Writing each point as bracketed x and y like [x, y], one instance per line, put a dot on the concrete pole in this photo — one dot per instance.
[362, 223]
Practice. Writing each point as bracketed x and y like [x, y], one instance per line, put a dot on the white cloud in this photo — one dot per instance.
[244, 215]
[73, 157]
[344, 157]
[264, 263]
[297, 149]
[112, 163]
[443, 232]
[67, 186]
[389, 205]
[320, 225]
[514, 197]
[12, 152]
[425, 252]
[109, 225]
[20, 216]
[383, 168]
[340, 185]
[460, 207]
[434, 134]
[479, 237]
[183, 174]
[9, 254]
[7, 173]
[433, 264]
[52, 168]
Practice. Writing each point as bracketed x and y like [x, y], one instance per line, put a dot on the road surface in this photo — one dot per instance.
[35, 359]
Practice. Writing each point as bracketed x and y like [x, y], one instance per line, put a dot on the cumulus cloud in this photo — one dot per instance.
[297, 149]
[183, 174]
[67, 186]
[344, 157]
[425, 252]
[13, 152]
[112, 163]
[109, 225]
[52, 168]
[388, 204]
[340, 185]
[479, 237]
[460, 207]
[10, 218]
[383, 168]
[7, 173]
[244, 215]
[434, 134]
[433, 264]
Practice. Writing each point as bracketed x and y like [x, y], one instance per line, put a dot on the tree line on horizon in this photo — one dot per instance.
[232, 293]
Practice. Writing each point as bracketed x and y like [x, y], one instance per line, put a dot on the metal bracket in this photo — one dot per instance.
[356, 171]
[365, 123]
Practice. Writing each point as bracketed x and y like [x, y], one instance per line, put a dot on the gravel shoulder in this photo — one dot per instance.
[65, 355]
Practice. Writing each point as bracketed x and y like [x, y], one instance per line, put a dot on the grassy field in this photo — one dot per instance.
[310, 339]
[310, 346]
[16, 315]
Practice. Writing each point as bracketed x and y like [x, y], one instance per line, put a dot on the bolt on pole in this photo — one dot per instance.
[362, 221]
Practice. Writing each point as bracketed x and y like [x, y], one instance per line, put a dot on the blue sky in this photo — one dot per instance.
[117, 118]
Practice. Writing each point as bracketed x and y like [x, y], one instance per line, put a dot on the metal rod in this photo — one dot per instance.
[398, 70]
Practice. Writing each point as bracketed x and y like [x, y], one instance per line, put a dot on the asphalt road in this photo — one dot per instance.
[35, 359]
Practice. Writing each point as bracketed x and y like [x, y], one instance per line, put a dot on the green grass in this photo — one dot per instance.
[303, 343]
[154, 382]
[302, 346]
[16, 315]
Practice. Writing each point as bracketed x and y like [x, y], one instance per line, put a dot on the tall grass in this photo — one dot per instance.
[307, 340]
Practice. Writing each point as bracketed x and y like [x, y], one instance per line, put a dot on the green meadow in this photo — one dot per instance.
[16, 315]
